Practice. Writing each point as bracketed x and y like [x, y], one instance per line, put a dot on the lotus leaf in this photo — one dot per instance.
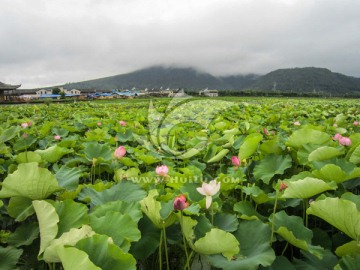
[29, 181]
[307, 187]
[340, 213]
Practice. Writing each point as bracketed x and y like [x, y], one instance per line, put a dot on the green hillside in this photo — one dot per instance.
[309, 79]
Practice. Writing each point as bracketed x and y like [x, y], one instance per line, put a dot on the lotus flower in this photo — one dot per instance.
[24, 135]
[99, 124]
[120, 152]
[235, 161]
[122, 123]
[356, 123]
[162, 170]
[297, 123]
[266, 132]
[24, 125]
[335, 125]
[57, 137]
[337, 137]
[283, 186]
[345, 141]
[180, 203]
[209, 190]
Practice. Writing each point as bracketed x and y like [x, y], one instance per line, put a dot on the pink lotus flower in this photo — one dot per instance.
[57, 137]
[180, 203]
[337, 137]
[24, 135]
[120, 152]
[266, 132]
[297, 123]
[335, 125]
[29, 123]
[99, 124]
[356, 123]
[209, 190]
[122, 123]
[345, 141]
[235, 161]
[162, 170]
[24, 125]
[283, 186]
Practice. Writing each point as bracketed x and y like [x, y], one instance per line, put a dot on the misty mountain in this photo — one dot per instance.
[309, 79]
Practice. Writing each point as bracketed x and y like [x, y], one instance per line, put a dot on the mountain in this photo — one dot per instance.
[308, 79]
[158, 76]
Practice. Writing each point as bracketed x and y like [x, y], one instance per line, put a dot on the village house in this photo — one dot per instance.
[209, 93]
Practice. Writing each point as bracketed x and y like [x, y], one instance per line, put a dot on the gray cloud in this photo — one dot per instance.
[54, 42]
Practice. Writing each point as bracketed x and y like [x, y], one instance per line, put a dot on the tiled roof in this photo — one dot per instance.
[4, 86]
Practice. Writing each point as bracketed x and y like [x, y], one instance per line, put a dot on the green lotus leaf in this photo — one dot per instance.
[28, 156]
[349, 263]
[247, 211]
[131, 173]
[9, 257]
[257, 194]
[353, 198]
[71, 214]
[128, 162]
[340, 213]
[29, 181]
[307, 187]
[130, 208]
[53, 153]
[226, 222]
[148, 159]
[149, 241]
[98, 135]
[68, 178]
[9, 133]
[324, 153]
[218, 156]
[105, 254]
[253, 237]
[291, 228]
[351, 248]
[126, 136]
[24, 235]
[271, 147]
[73, 258]
[308, 136]
[332, 172]
[270, 166]
[23, 144]
[20, 208]
[309, 261]
[96, 151]
[120, 227]
[355, 156]
[152, 208]
[48, 219]
[69, 238]
[217, 241]
[124, 191]
[60, 131]
[249, 145]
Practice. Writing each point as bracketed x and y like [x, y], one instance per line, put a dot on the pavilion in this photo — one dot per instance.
[6, 89]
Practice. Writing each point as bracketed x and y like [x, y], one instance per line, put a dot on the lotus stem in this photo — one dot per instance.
[273, 218]
[166, 251]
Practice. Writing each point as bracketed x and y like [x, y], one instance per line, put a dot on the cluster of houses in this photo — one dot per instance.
[11, 92]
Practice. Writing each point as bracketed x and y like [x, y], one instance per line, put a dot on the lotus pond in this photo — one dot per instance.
[181, 184]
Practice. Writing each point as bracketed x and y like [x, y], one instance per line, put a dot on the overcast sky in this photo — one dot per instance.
[50, 42]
